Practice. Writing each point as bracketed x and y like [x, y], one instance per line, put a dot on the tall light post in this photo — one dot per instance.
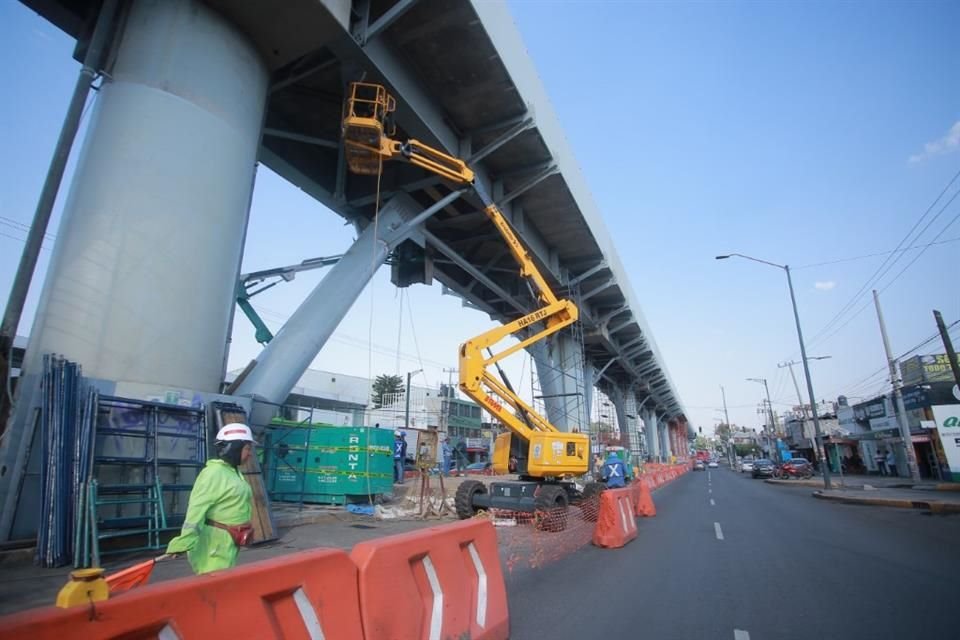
[406, 399]
[803, 357]
[772, 418]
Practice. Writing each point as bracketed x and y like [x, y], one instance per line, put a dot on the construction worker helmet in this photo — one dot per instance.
[235, 431]
[397, 433]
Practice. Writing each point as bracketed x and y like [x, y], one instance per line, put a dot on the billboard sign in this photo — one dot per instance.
[947, 417]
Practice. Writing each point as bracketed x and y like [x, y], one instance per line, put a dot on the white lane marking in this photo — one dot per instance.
[716, 529]
[739, 634]
[709, 490]
[712, 503]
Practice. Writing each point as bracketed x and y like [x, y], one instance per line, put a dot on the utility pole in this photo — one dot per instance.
[406, 394]
[948, 346]
[726, 417]
[772, 418]
[898, 396]
[803, 405]
[445, 403]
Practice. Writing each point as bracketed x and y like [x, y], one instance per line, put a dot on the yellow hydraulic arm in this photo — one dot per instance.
[552, 453]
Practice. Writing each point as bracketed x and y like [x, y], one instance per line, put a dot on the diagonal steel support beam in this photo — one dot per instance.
[410, 187]
[472, 270]
[501, 140]
[529, 184]
[607, 317]
[299, 137]
[422, 217]
[603, 287]
[605, 367]
[486, 267]
[297, 76]
[383, 22]
[626, 323]
[600, 266]
[626, 345]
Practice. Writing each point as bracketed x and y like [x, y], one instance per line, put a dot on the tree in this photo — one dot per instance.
[746, 450]
[385, 384]
[722, 431]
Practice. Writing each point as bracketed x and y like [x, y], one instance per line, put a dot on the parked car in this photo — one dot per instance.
[712, 464]
[795, 468]
[764, 468]
[746, 466]
[479, 468]
[699, 466]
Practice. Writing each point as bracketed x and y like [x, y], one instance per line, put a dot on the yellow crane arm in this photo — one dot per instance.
[367, 141]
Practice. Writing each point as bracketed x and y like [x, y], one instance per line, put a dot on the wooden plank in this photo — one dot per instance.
[261, 519]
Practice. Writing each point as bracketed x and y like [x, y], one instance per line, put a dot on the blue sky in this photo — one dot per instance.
[799, 133]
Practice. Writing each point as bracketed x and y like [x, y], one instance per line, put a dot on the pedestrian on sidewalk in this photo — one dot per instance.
[447, 453]
[399, 456]
[881, 461]
[217, 522]
[892, 463]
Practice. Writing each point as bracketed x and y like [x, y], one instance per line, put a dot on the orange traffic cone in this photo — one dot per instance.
[644, 505]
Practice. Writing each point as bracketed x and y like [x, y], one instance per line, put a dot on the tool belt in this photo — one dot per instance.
[242, 534]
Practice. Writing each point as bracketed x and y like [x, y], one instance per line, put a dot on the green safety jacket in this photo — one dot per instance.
[220, 494]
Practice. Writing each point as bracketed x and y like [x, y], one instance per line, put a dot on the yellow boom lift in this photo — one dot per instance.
[545, 457]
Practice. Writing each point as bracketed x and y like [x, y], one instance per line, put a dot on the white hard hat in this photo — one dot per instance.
[235, 431]
[397, 433]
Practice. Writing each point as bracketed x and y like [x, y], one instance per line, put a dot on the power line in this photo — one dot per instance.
[874, 255]
[821, 338]
[887, 264]
[868, 381]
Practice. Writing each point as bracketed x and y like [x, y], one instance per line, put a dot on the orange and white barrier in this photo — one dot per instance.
[616, 523]
[433, 584]
[306, 595]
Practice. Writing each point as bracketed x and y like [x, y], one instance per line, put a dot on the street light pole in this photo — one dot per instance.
[824, 466]
[803, 355]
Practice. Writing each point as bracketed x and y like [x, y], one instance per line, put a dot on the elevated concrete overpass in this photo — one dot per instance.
[465, 84]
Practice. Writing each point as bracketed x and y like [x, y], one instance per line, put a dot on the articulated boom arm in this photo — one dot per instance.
[366, 135]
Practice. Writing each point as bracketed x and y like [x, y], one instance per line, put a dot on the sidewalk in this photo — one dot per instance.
[885, 492]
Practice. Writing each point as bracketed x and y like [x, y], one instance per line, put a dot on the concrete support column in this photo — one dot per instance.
[142, 279]
[560, 374]
[665, 435]
[653, 434]
[288, 355]
[619, 398]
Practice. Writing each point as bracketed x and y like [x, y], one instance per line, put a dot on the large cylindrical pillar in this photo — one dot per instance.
[142, 280]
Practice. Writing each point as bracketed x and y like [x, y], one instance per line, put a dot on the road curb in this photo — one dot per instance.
[795, 483]
[932, 506]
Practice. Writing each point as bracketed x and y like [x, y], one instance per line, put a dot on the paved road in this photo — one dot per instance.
[787, 566]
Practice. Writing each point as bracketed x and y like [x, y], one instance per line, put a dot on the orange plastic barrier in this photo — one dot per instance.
[616, 524]
[643, 501]
[437, 583]
[306, 595]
